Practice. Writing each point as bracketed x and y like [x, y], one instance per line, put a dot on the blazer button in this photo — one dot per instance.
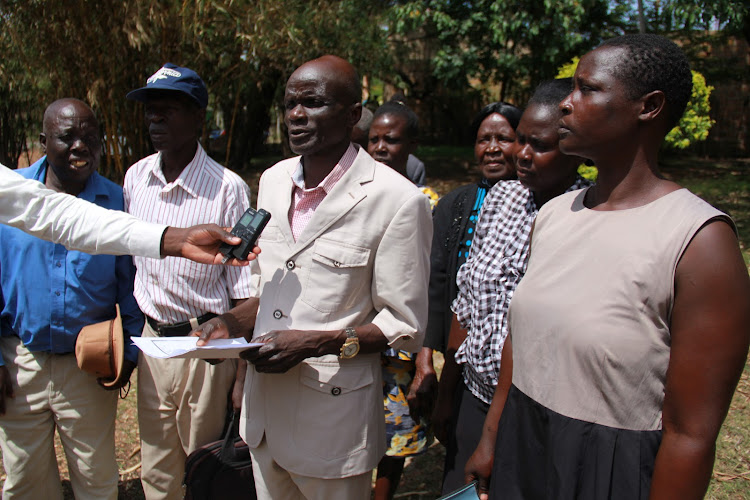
[290, 264]
[277, 314]
[336, 391]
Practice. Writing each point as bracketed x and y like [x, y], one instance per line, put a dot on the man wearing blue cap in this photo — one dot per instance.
[181, 403]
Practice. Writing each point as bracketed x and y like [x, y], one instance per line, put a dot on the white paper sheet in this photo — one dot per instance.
[184, 347]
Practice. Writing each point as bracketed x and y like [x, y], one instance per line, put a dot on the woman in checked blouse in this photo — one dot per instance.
[488, 278]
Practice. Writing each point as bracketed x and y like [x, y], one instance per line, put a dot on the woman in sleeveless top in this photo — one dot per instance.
[630, 329]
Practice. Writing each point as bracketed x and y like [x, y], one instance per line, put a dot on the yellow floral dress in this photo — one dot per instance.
[405, 436]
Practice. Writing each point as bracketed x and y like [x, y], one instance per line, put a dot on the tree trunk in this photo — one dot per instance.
[641, 18]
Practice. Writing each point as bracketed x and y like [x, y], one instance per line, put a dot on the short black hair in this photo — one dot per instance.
[551, 92]
[507, 111]
[654, 62]
[398, 107]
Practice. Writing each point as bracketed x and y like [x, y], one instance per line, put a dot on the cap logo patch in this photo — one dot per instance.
[163, 74]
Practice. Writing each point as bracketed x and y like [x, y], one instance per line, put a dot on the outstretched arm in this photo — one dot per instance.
[710, 332]
[80, 225]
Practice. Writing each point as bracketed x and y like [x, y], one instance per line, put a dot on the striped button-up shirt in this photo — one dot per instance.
[172, 289]
[305, 201]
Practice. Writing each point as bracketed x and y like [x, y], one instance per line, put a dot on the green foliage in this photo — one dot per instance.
[589, 172]
[451, 55]
[732, 16]
[567, 70]
[516, 44]
[696, 122]
[243, 49]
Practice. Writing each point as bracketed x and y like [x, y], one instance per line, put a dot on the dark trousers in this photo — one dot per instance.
[468, 418]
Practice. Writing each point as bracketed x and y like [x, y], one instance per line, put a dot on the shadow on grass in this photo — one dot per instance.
[724, 184]
[422, 476]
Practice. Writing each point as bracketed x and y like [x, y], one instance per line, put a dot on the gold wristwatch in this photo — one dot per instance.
[351, 344]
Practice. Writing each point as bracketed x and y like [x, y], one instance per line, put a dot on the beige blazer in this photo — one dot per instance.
[364, 257]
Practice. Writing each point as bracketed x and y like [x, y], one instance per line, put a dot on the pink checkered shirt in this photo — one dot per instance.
[305, 201]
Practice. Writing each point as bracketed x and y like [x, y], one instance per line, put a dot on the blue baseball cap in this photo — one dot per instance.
[173, 77]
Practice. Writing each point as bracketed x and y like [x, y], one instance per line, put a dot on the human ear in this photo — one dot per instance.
[653, 105]
[412, 146]
[43, 142]
[355, 113]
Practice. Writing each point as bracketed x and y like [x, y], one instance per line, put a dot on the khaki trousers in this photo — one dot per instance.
[182, 405]
[272, 482]
[51, 392]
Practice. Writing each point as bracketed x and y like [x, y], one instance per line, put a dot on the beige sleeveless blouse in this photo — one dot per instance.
[590, 319]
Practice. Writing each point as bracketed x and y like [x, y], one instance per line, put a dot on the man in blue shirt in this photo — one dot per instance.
[47, 294]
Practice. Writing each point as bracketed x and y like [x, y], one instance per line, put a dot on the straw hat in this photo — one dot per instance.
[100, 350]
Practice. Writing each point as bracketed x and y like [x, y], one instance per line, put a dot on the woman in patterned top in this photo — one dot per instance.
[392, 138]
[454, 220]
[495, 266]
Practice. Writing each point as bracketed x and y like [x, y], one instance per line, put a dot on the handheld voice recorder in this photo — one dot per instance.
[248, 228]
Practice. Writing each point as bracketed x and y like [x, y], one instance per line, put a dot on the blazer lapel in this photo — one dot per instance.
[280, 202]
[344, 196]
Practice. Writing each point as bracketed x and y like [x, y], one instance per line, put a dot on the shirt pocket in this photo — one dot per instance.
[337, 275]
[329, 421]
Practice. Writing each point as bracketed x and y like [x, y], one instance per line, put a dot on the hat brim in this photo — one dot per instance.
[141, 94]
[118, 351]
[100, 350]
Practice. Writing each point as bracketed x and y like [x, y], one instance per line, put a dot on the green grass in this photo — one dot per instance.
[726, 185]
[731, 478]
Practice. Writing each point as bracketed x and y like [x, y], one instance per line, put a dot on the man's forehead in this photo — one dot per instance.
[308, 78]
[72, 116]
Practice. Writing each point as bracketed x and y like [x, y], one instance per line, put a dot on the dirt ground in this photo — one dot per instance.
[420, 481]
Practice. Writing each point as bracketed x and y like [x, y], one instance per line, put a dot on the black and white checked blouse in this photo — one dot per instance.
[497, 262]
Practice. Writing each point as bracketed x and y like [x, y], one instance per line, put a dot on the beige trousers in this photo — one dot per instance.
[272, 482]
[51, 392]
[182, 405]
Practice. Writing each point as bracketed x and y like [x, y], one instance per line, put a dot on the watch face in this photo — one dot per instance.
[350, 350]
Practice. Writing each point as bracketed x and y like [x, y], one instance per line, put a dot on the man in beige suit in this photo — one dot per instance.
[343, 275]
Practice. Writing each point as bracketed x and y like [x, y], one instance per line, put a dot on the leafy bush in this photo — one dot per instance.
[588, 172]
[696, 122]
[568, 70]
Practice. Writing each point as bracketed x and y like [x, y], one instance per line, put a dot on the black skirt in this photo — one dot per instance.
[541, 454]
